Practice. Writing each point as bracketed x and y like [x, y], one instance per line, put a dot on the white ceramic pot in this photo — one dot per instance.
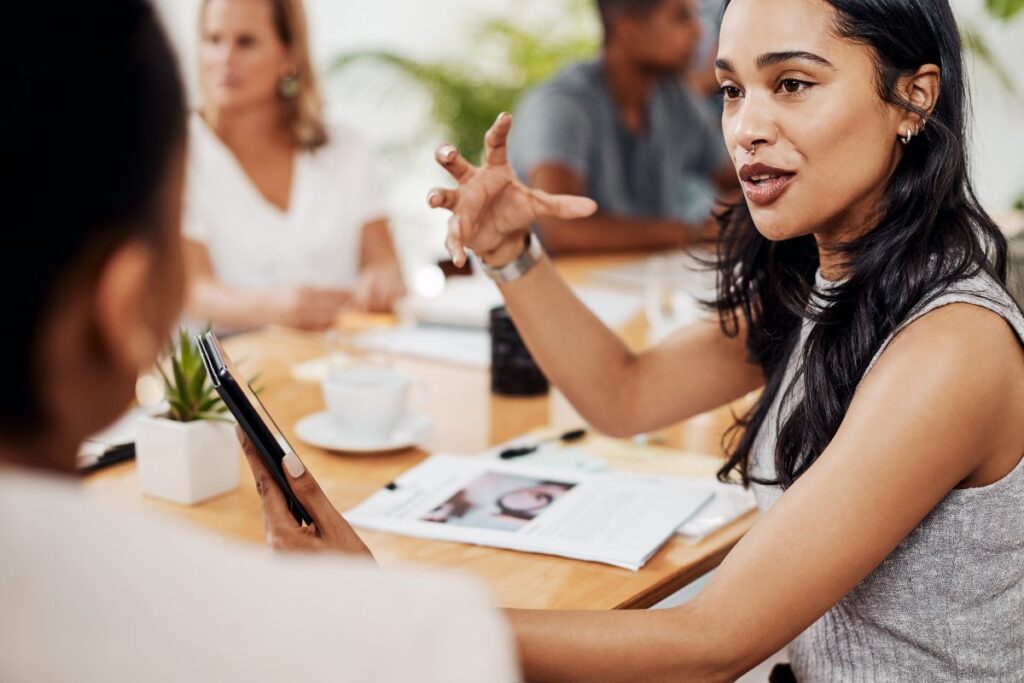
[186, 462]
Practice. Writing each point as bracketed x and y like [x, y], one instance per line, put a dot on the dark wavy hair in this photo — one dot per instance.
[100, 114]
[931, 234]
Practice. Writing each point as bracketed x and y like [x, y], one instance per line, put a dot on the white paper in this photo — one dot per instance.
[683, 270]
[318, 369]
[119, 433]
[613, 518]
[453, 327]
[729, 502]
[467, 301]
[726, 502]
[464, 302]
[459, 346]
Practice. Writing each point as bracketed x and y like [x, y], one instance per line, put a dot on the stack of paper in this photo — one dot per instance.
[456, 345]
[728, 502]
[467, 301]
[452, 328]
[613, 518]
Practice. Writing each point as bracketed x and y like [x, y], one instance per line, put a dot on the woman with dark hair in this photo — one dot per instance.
[861, 286]
[92, 176]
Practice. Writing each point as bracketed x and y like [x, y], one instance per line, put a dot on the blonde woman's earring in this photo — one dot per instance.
[288, 86]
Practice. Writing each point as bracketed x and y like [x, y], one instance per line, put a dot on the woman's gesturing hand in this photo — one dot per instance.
[491, 210]
[329, 532]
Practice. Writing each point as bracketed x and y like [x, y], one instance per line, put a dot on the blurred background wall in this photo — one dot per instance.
[456, 61]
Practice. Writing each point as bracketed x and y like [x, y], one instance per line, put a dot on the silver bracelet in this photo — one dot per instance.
[519, 266]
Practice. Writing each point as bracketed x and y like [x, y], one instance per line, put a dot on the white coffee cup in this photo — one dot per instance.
[368, 402]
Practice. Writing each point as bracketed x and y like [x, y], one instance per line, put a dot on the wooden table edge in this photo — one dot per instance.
[733, 532]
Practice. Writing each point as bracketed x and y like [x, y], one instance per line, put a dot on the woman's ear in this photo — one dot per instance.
[922, 92]
[124, 318]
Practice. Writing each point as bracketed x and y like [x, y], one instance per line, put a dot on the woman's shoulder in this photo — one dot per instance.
[208, 158]
[980, 289]
[344, 146]
[970, 321]
[200, 137]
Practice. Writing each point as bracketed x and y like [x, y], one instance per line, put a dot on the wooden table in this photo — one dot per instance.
[469, 419]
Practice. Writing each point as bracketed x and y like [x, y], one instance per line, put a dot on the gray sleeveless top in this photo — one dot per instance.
[948, 603]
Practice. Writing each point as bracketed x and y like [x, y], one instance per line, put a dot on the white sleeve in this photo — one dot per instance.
[374, 206]
[193, 223]
[365, 169]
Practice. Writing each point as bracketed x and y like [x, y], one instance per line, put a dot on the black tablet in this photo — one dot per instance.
[252, 416]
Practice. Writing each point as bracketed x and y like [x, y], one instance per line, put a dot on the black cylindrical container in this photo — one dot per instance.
[513, 370]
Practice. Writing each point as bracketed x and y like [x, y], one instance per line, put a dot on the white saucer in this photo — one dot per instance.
[320, 430]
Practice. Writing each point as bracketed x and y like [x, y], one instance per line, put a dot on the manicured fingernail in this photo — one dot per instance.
[448, 152]
[431, 196]
[293, 465]
[502, 116]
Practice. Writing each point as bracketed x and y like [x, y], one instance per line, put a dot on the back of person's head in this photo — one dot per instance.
[659, 35]
[612, 9]
[91, 173]
[293, 83]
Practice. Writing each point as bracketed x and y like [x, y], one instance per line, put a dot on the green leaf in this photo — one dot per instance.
[1004, 10]
[975, 44]
[211, 404]
[168, 386]
[208, 392]
[180, 383]
[179, 411]
[198, 381]
[214, 417]
[187, 389]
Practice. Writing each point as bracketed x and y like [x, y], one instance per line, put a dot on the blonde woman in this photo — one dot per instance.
[283, 216]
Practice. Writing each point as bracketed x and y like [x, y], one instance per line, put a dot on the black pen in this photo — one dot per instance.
[519, 451]
[110, 456]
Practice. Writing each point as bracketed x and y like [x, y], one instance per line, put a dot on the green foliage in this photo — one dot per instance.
[1004, 9]
[187, 389]
[975, 44]
[466, 102]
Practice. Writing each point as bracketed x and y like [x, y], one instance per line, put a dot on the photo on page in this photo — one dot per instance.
[498, 501]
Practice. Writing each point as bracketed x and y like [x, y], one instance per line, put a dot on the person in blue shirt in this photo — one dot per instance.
[624, 130]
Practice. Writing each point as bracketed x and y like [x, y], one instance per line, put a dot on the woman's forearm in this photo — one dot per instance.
[622, 645]
[223, 304]
[588, 362]
[376, 246]
[619, 392]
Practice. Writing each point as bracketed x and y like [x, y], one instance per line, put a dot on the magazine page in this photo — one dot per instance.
[614, 518]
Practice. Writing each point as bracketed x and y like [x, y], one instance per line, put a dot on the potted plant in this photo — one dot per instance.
[190, 453]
